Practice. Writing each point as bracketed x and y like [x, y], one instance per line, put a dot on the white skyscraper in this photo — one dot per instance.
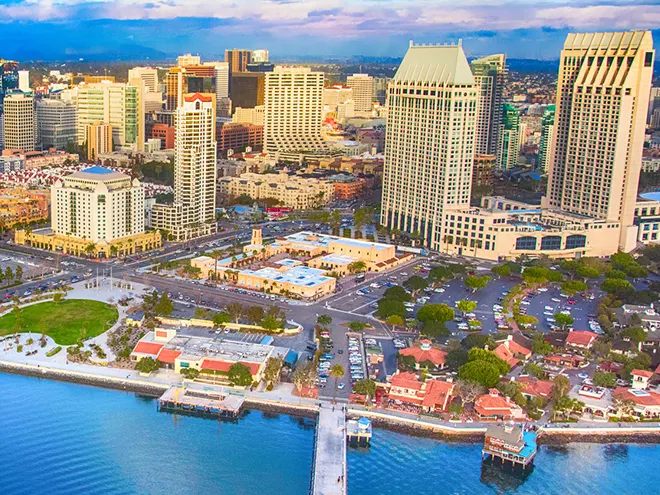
[490, 74]
[293, 110]
[24, 80]
[363, 91]
[20, 124]
[429, 142]
[603, 93]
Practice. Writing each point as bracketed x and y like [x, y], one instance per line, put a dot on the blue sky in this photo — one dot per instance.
[68, 29]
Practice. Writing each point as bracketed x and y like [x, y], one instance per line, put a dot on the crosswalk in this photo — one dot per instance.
[246, 337]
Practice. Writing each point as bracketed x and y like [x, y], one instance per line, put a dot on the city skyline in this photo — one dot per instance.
[307, 28]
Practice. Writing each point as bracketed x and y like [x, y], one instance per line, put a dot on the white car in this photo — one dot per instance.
[542, 289]
[525, 303]
[555, 299]
[549, 308]
[548, 313]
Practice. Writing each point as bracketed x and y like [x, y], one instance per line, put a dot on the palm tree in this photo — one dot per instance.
[324, 320]
[90, 248]
[336, 371]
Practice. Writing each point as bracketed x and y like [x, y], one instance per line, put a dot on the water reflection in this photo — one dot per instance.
[504, 478]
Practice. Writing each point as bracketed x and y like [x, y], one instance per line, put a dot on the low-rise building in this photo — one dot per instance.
[581, 339]
[534, 388]
[495, 406]
[22, 206]
[425, 355]
[642, 403]
[647, 218]
[291, 191]
[503, 229]
[512, 350]
[429, 396]
[240, 136]
[564, 360]
[641, 379]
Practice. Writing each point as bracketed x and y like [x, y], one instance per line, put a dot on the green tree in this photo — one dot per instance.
[636, 334]
[9, 273]
[396, 292]
[434, 329]
[365, 387]
[477, 340]
[586, 271]
[482, 372]
[616, 286]
[466, 306]
[476, 354]
[388, 307]
[19, 272]
[435, 312]
[324, 320]
[572, 287]
[254, 314]
[563, 320]
[235, 311]
[147, 365]
[475, 282]
[456, 358]
[540, 346]
[406, 363]
[535, 370]
[220, 318]
[57, 297]
[415, 284]
[164, 307]
[560, 387]
[440, 273]
[357, 326]
[395, 321]
[336, 371]
[272, 370]
[604, 379]
[239, 375]
[357, 267]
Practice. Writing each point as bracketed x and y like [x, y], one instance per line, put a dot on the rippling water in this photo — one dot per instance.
[61, 438]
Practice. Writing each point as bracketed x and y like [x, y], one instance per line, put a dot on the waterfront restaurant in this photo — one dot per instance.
[424, 353]
[409, 394]
[496, 406]
[509, 443]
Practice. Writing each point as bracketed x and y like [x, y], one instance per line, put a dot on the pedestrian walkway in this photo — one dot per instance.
[329, 470]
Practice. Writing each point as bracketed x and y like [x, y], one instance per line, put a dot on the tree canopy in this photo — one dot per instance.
[476, 282]
[239, 375]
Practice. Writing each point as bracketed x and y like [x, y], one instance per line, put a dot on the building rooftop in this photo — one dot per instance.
[298, 275]
[437, 64]
[323, 240]
[98, 174]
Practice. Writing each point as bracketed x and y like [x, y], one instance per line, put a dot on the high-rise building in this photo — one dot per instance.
[8, 78]
[20, 125]
[259, 56]
[545, 145]
[195, 150]
[338, 103]
[490, 74]
[429, 141]
[149, 76]
[603, 92]
[508, 149]
[118, 104]
[188, 59]
[247, 89]
[56, 123]
[363, 91]
[24, 80]
[654, 104]
[293, 105]
[238, 59]
[98, 137]
[208, 77]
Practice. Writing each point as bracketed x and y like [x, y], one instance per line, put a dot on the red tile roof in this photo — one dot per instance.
[148, 348]
[406, 379]
[223, 366]
[517, 348]
[644, 373]
[434, 355]
[198, 96]
[581, 338]
[648, 398]
[168, 356]
[495, 404]
[533, 386]
[503, 352]
[437, 394]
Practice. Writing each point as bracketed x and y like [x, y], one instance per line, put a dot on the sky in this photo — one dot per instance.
[159, 29]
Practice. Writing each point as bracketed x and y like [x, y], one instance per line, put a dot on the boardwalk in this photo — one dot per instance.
[329, 470]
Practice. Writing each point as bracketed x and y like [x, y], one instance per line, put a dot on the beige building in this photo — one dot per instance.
[95, 212]
[503, 229]
[362, 86]
[293, 102]
[603, 93]
[253, 116]
[193, 212]
[338, 103]
[647, 218]
[291, 191]
[153, 97]
[490, 75]
[98, 139]
[119, 104]
[429, 143]
[19, 122]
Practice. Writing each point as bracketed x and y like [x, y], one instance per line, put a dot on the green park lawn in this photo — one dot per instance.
[65, 321]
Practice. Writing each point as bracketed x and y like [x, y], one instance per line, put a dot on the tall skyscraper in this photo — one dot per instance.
[24, 80]
[8, 78]
[429, 141]
[238, 60]
[363, 91]
[508, 149]
[247, 89]
[193, 212]
[149, 76]
[490, 74]
[56, 123]
[293, 107]
[546, 144]
[119, 104]
[603, 92]
[20, 126]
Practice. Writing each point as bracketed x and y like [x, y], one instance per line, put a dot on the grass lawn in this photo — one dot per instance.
[65, 321]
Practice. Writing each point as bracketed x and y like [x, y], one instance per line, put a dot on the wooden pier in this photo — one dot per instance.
[509, 443]
[202, 402]
[329, 469]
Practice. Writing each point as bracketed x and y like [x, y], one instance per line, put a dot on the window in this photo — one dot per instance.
[550, 242]
[576, 241]
[526, 242]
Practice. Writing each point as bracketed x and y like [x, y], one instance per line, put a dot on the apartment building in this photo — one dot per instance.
[19, 122]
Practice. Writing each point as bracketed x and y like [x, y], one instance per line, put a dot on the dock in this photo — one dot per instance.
[329, 469]
[203, 402]
[509, 443]
[358, 432]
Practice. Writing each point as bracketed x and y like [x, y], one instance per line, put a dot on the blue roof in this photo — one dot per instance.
[651, 196]
[529, 449]
[97, 170]
[291, 357]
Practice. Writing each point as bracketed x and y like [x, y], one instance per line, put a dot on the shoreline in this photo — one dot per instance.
[553, 435]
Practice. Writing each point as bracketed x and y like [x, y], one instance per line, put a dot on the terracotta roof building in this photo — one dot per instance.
[431, 395]
[532, 387]
[581, 338]
[494, 405]
[424, 352]
[645, 403]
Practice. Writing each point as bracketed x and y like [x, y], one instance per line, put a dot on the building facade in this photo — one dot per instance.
[98, 139]
[119, 104]
[603, 93]
[56, 123]
[22, 206]
[19, 122]
[363, 91]
[490, 75]
[247, 89]
[508, 149]
[429, 143]
[293, 110]
[546, 144]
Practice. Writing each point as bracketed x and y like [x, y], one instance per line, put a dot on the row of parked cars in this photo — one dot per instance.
[355, 359]
[326, 345]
